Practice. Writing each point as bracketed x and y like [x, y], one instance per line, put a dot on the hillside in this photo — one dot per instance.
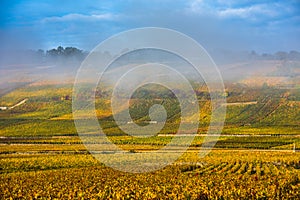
[48, 110]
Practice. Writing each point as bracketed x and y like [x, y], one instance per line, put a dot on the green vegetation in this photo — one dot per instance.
[48, 111]
[41, 155]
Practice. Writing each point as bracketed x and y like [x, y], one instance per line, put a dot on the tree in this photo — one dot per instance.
[281, 55]
[68, 52]
[52, 53]
[72, 51]
[60, 50]
[40, 52]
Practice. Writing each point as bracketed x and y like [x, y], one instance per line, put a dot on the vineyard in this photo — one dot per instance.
[149, 100]
[255, 157]
[80, 176]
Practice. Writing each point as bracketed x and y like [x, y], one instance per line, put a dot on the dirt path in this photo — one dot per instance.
[18, 104]
[240, 103]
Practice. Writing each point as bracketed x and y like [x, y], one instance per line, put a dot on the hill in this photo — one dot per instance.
[48, 110]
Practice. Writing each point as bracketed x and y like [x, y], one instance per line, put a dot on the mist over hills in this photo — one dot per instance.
[73, 54]
[274, 101]
[61, 64]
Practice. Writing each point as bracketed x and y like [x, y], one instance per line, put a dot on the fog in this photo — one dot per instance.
[243, 39]
[21, 67]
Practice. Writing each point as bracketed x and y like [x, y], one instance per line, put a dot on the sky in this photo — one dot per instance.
[236, 25]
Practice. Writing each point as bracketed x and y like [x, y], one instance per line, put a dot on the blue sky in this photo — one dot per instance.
[263, 26]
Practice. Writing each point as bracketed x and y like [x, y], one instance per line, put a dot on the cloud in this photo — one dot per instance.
[80, 17]
[241, 9]
[261, 25]
[197, 6]
[249, 12]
